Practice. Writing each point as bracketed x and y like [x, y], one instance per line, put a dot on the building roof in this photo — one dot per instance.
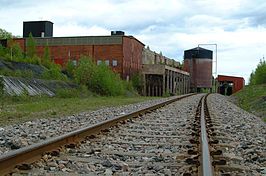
[226, 76]
[82, 40]
[37, 21]
[198, 52]
[198, 48]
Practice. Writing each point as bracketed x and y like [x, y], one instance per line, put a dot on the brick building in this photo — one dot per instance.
[122, 53]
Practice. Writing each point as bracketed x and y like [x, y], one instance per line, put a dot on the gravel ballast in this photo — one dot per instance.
[244, 131]
[20, 135]
[142, 146]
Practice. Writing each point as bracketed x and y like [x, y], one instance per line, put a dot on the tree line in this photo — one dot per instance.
[258, 76]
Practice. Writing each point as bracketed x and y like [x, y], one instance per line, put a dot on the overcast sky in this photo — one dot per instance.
[238, 27]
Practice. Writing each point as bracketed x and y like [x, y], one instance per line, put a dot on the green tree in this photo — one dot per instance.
[259, 75]
[251, 78]
[17, 53]
[31, 46]
[46, 58]
[4, 34]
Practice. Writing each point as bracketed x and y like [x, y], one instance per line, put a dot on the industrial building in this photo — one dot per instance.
[198, 62]
[161, 79]
[124, 54]
[162, 75]
[229, 84]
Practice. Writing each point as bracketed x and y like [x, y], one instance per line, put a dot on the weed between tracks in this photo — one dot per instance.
[27, 108]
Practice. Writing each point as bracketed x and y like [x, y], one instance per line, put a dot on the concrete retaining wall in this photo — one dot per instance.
[32, 87]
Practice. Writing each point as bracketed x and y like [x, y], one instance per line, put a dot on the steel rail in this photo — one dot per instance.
[29, 154]
[206, 162]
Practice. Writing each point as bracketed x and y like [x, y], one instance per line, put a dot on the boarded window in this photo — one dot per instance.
[99, 62]
[114, 63]
[107, 62]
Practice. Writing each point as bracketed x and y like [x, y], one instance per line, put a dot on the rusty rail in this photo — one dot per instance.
[206, 161]
[200, 155]
[31, 153]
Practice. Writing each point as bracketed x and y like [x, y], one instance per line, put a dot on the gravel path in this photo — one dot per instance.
[245, 132]
[17, 136]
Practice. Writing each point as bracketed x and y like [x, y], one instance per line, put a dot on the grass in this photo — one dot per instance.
[13, 112]
[253, 99]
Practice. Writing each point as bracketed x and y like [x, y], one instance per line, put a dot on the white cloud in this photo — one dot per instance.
[170, 26]
[72, 29]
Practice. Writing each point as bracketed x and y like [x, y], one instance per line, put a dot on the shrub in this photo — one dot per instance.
[70, 68]
[2, 51]
[54, 73]
[84, 71]
[137, 82]
[16, 52]
[99, 79]
[105, 82]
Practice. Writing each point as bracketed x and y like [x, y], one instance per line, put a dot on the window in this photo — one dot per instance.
[107, 62]
[74, 62]
[114, 63]
[99, 62]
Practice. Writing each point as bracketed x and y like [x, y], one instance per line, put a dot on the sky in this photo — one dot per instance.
[238, 27]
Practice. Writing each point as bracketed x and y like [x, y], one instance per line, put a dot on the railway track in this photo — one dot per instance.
[19, 158]
[159, 140]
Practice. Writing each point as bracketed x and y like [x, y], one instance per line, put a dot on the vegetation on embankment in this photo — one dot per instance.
[19, 109]
[253, 99]
[98, 86]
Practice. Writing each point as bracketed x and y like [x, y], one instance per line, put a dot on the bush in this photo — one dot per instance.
[99, 79]
[70, 68]
[2, 51]
[84, 71]
[54, 73]
[137, 82]
[259, 75]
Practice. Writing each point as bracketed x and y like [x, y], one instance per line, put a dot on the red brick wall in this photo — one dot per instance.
[111, 53]
[132, 50]
[128, 55]
[61, 54]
